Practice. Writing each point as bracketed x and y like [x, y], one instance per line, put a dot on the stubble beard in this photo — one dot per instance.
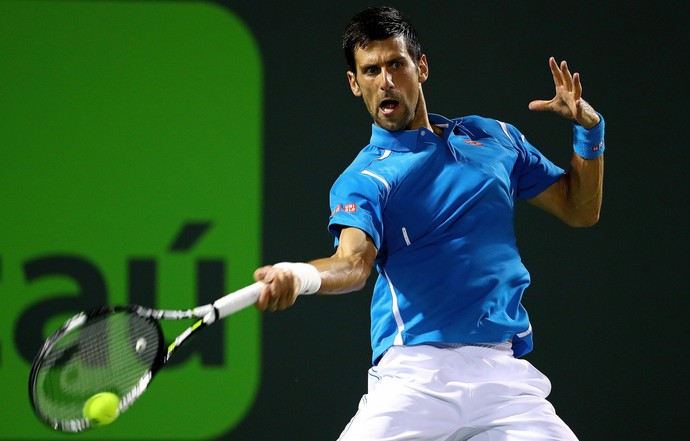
[402, 122]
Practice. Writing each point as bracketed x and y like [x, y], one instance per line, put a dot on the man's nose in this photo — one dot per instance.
[386, 80]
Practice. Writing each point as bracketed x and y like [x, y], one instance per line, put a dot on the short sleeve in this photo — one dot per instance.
[356, 200]
[534, 172]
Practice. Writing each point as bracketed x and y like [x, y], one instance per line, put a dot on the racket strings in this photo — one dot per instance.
[109, 353]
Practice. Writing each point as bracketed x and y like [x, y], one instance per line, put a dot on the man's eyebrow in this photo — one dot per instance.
[368, 65]
[395, 59]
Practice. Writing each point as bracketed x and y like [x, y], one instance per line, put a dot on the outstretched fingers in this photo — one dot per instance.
[556, 72]
[567, 77]
[539, 105]
[567, 101]
[577, 87]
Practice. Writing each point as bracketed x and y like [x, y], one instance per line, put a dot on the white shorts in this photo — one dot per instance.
[452, 394]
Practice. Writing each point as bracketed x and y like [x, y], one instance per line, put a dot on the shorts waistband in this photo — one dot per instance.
[503, 347]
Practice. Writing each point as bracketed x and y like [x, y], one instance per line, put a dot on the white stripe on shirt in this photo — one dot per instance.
[397, 341]
[375, 176]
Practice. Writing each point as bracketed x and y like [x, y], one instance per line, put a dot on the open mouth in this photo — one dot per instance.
[388, 106]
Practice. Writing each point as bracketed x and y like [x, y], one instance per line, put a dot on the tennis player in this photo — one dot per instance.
[430, 203]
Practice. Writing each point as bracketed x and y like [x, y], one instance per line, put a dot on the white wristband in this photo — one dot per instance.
[307, 275]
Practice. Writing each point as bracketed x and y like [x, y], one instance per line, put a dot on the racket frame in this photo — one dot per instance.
[206, 315]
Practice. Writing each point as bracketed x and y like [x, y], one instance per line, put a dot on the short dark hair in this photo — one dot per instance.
[379, 23]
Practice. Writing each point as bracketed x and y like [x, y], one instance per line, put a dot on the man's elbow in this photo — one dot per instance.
[362, 270]
[583, 220]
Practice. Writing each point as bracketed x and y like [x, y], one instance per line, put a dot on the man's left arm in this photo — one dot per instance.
[576, 197]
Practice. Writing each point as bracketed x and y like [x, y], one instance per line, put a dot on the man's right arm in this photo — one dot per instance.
[345, 271]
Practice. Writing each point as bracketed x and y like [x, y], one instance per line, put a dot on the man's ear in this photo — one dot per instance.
[354, 86]
[423, 69]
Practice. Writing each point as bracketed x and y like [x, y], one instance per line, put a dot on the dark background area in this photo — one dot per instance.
[609, 305]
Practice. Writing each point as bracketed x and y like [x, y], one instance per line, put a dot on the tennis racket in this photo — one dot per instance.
[114, 349]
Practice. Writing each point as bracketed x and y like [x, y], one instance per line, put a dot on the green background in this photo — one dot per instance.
[609, 305]
[117, 131]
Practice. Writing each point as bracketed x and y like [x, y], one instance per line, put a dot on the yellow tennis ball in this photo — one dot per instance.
[101, 409]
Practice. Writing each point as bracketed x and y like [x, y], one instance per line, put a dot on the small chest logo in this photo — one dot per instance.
[471, 142]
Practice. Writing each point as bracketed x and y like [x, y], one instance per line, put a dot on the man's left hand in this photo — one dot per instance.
[568, 101]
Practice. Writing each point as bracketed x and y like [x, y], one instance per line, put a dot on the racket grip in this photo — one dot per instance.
[238, 300]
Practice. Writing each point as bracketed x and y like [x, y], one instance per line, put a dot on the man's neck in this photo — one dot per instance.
[422, 117]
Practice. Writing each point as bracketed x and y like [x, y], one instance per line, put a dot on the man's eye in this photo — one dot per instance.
[371, 71]
[396, 65]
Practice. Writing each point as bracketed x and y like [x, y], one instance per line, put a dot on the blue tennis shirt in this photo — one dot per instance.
[441, 213]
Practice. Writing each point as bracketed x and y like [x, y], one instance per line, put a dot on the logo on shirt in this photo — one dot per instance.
[471, 142]
[348, 208]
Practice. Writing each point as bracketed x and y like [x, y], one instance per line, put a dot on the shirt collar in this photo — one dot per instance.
[407, 140]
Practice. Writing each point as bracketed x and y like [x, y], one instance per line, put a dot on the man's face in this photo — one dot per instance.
[389, 81]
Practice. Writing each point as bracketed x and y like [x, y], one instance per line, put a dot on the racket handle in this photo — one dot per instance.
[238, 300]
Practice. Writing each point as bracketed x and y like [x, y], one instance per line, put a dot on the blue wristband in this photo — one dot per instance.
[589, 143]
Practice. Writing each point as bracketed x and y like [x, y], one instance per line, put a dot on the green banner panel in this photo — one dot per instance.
[130, 158]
